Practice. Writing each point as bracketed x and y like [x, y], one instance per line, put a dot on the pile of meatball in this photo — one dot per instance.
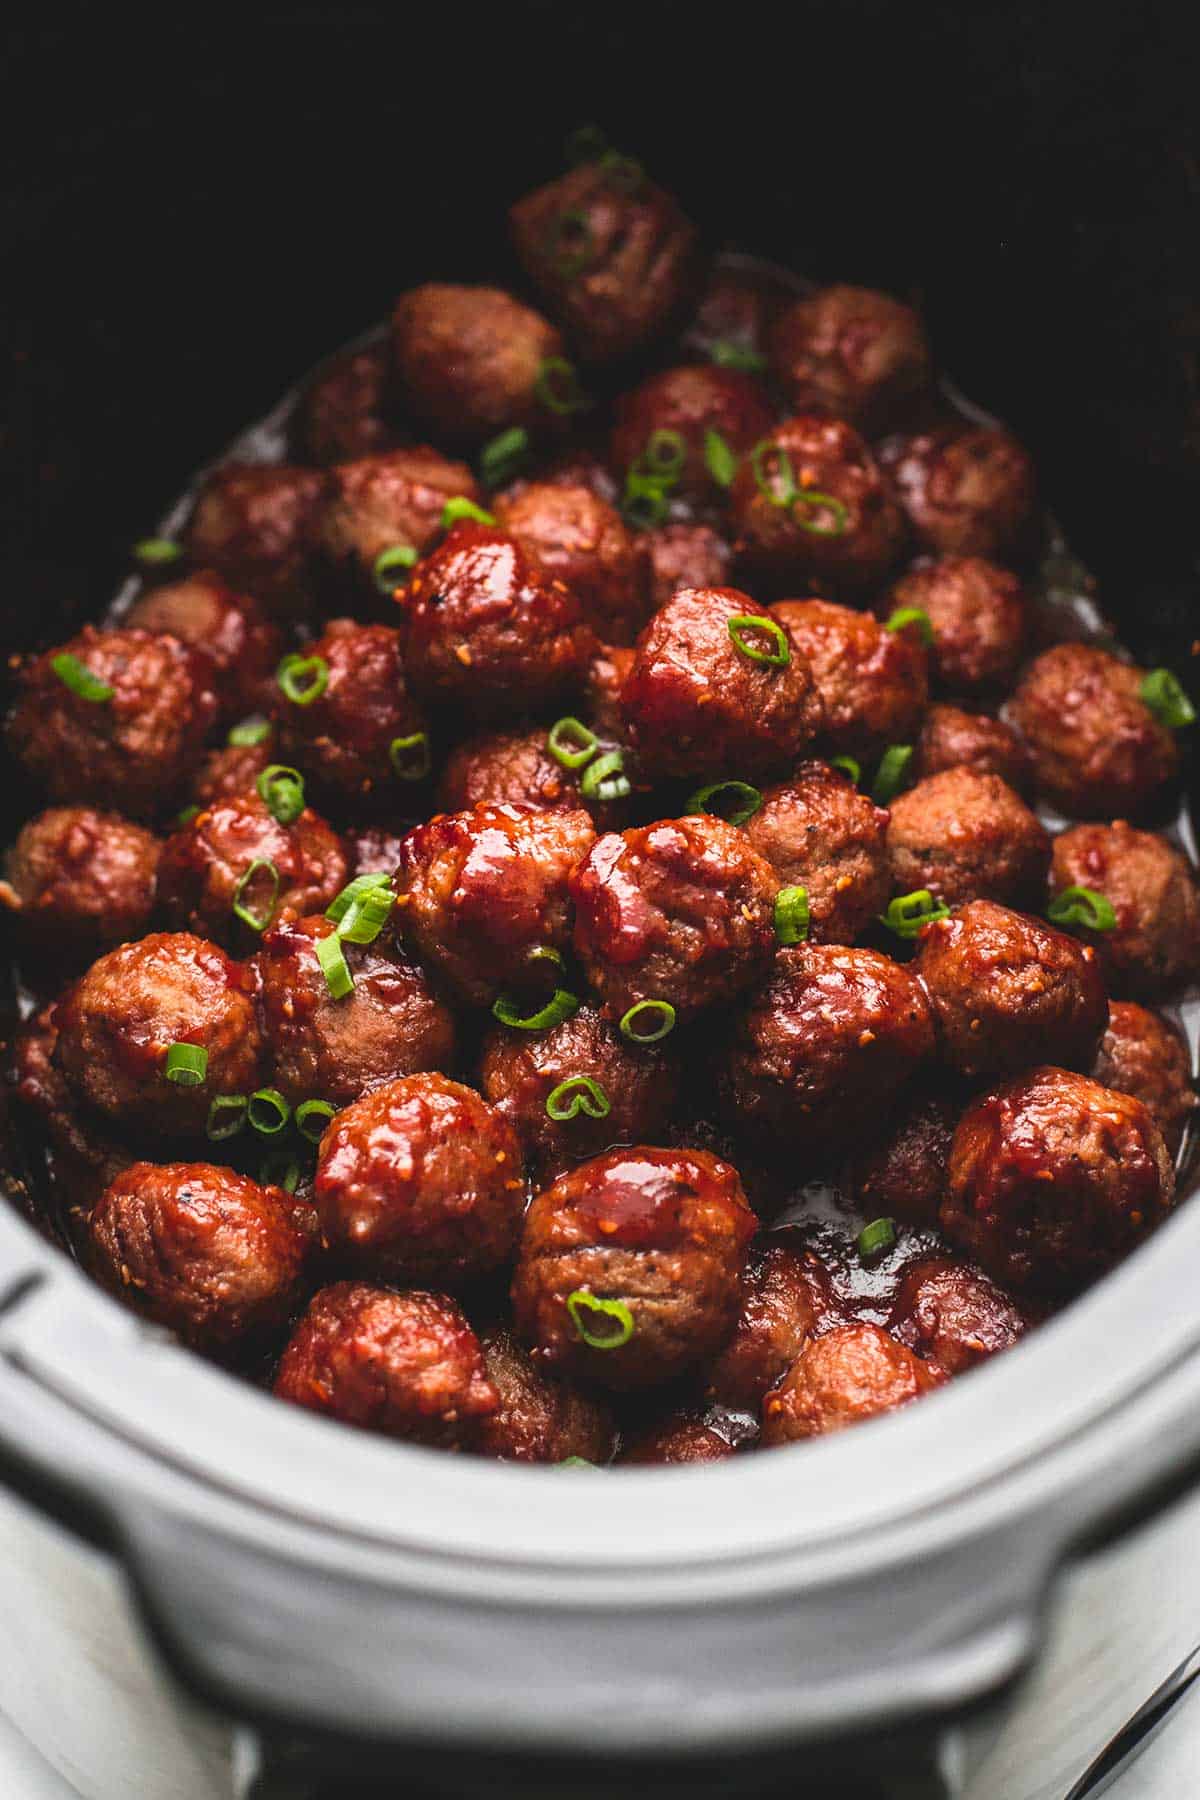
[586, 798]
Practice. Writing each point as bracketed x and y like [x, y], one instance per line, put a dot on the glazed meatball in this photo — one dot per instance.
[118, 1022]
[391, 1024]
[819, 833]
[539, 1420]
[407, 1365]
[852, 352]
[680, 912]
[737, 308]
[967, 837]
[256, 524]
[683, 556]
[521, 1070]
[364, 733]
[421, 1180]
[386, 502]
[134, 743]
[582, 541]
[680, 1437]
[607, 672]
[1144, 1056]
[488, 631]
[469, 361]
[811, 504]
[1154, 946]
[873, 683]
[630, 1267]
[953, 1315]
[210, 1254]
[902, 1174]
[827, 1042]
[612, 255]
[976, 611]
[344, 411]
[515, 766]
[711, 692]
[966, 490]
[232, 769]
[78, 880]
[204, 613]
[480, 891]
[1001, 981]
[953, 739]
[1053, 1179]
[788, 1299]
[853, 1372]
[667, 422]
[82, 1156]
[230, 871]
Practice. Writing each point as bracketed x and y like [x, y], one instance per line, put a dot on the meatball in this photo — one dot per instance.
[666, 424]
[481, 892]
[364, 731]
[953, 1315]
[407, 1365]
[852, 352]
[210, 1254]
[902, 1174]
[681, 913]
[488, 631]
[680, 1437]
[515, 766]
[819, 833]
[873, 683]
[230, 871]
[132, 738]
[853, 1372]
[811, 504]
[630, 1267]
[827, 1042]
[78, 880]
[1144, 1056]
[581, 540]
[1154, 945]
[118, 1022]
[683, 556]
[390, 1024]
[788, 1299]
[539, 1420]
[607, 673]
[421, 1180]
[83, 1157]
[256, 524]
[966, 490]
[1053, 1179]
[713, 692]
[380, 503]
[232, 769]
[630, 1100]
[735, 313]
[1001, 981]
[967, 837]
[953, 739]
[976, 611]
[612, 254]
[374, 849]
[343, 414]
[470, 361]
[204, 613]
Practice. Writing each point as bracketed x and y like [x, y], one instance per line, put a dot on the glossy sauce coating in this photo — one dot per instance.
[467, 359]
[966, 489]
[1154, 946]
[78, 880]
[203, 611]
[819, 833]
[1144, 1056]
[966, 836]
[852, 1373]
[379, 503]
[342, 740]
[582, 541]
[976, 611]
[1096, 748]
[873, 683]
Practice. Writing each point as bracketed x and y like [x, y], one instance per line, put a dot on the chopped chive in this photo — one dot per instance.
[822, 503]
[504, 457]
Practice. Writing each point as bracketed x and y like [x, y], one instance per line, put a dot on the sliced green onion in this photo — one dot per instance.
[461, 508]
[257, 921]
[889, 776]
[571, 743]
[574, 1462]
[625, 173]
[912, 615]
[334, 966]
[569, 243]
[578, 1093]
[733, 801]
[279, 1169]
[226, 1116]
[908, 914]
[728, 355]
[557, 386]
[1082, 907]
[850, 769]
[644, 502]
[587, 143]
[664, 455]
[303, 678]
[776, 658]
[504, 457]
[546, 953]
[186, 1064]
[250, 733]
[587, 1310]
[1166, 699]
[823, 503]
[560, 1006]
[283, 790]
[791, 915]
[605, 778]
[719, 459]
[312, 1116]
[875, 1238]
[410, 756]
[389, 566]
[766, 479]
[79, 678]
[156, 551]
[662, 1010]
[352, 894]
[367, 917]
[268, 1111]
[185, 815]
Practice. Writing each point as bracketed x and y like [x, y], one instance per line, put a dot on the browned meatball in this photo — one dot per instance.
[827, 1042]
[811, 504]
[873, 683]
[667, 423]
[1003, 983]
[1154, 945]
[967, 490]
[470, 361]
[976, 611]
[364, 733]
[612, 254]
[344, 410]
[203, 612]
[1145, 1056]
[902, 1174]
[683, 556]
[712, 693]
[521, 1070]
[819, 833]
[134, 744]
[1097, 749]
[407, 1365]
[680, 912]
[83, 1157]
[680, 1437]
[392, 1023]
[421, 1180]
[953, 1315]
[967, 837]
[515, 766]
[1053, 1179]
[850, 351]
[383, 503]
[210, 1254]
[230, 871]
[953, 739]
[480, 890]
[538, 1419]
[607, 672]
[788, 1299]
[853, 1372]
[581, 540]
[374, 849]
[737, 307]
[488, 631]
[78, 880]
[574, 465]
[641, 1252]
[256, 525]
[232, 769]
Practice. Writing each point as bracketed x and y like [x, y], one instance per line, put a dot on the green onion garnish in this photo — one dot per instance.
[185, 815]
[1082, 907]
[561, 1005]
[334, 966]
[367, 916]
[251, 732]
[312, 1116]
[156, 551]
[821, 503]
[850, 769]
[574, 1462]
[352, 894]
[728, 355]
[283, 790]
[557, 386]
[279, 1169]
[504, 457]
[569, 245]
[912, 615]
[644, 502]
[605, 778]
[664, 456]
[791, 915]
[268, 1111]
[662, 1010]
[79, 678]
[781, 472]
[777, 657]
[587, 1310]
[303, 678]
[226, 1116]
[461, 508]
[389, 567]
[410, 756]
[719, 459]
[875, 1238]
[733, 801]
[1166, 699]
[908, 914]
[186, 1064]
[889, 776]
[257, 921]
[571, 743]
[578, 1093]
